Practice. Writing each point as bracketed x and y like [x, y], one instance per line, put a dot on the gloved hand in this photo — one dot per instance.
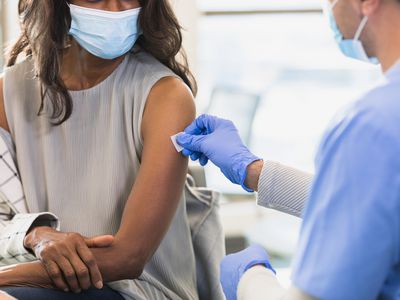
[218, 140]
[235, 265]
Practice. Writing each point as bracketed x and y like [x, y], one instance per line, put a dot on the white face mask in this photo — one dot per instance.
[105, 34]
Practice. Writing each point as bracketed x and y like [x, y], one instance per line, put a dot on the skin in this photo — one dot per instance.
[6, 297]
[152, 202]
[253, 174]
[68, 255]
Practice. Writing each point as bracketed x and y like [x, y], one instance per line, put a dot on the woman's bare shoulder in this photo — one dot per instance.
[171, 102]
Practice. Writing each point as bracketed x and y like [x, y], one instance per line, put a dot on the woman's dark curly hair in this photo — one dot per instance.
[44, 34]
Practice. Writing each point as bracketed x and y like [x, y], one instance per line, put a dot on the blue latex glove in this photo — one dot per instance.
[218, 140]
[235, 265]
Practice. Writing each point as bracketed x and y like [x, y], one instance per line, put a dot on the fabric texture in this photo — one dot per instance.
[283, 188]
[70, 166]
[208, 238]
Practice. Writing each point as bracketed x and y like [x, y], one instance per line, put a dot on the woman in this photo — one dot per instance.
[90, 116]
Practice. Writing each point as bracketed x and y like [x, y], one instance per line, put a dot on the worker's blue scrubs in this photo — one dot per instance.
[349, 246]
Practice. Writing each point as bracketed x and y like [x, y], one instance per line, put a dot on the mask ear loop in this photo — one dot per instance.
[334, 4]
[358, 34]
[68, 41]
[361, 28]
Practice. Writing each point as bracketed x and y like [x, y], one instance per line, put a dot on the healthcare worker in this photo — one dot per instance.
[349, 244]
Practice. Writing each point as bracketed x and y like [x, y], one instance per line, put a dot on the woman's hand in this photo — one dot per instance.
[67, 257]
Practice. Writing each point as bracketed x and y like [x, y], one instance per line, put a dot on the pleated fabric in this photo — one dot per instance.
[283, 188]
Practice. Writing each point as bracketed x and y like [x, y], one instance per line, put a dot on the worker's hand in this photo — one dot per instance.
[235, 265]
[67, 257]
[218, 140]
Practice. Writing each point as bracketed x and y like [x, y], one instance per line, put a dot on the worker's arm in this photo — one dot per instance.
[279, 187]
[154, 197]
[260, 283]
[248, 275]
[349, 239]
[349, 242]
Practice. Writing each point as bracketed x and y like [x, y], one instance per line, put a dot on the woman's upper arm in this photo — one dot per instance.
[3, 117]
[158, 187]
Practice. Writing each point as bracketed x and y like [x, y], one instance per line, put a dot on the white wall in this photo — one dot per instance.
[9, 25]
[9, 20]
[188, 14]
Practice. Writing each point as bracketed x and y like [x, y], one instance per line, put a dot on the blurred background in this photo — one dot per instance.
[271, 66]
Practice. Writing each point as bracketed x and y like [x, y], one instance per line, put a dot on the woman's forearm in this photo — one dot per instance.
[114, 264]
[31, 274]
[117, 262]
[283, 188]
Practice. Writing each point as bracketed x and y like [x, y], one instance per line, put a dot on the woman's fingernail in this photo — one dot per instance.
[66, 290]
[99, 284]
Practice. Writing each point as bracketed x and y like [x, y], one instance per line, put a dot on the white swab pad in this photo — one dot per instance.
[178, 147]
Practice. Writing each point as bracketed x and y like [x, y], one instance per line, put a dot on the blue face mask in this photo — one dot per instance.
[352, 48]
[104, 34]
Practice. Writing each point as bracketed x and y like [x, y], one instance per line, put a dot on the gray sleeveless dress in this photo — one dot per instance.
[84, 169]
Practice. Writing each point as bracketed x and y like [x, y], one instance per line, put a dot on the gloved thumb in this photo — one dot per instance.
[101, 241]
[191, 142]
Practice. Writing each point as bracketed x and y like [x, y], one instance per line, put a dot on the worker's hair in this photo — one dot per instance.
[44, 35]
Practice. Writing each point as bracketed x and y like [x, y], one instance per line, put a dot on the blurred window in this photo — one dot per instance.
[283, 53]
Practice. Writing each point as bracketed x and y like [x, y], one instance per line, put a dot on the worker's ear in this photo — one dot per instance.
[370, 7]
